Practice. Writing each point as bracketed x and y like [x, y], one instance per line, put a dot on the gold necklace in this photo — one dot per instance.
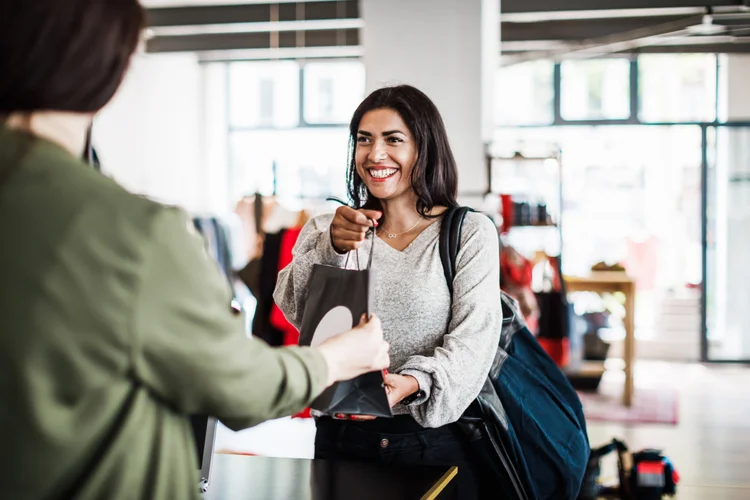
[395, 235]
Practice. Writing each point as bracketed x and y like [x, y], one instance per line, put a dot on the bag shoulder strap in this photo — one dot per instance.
[450, 244]
[450, 241]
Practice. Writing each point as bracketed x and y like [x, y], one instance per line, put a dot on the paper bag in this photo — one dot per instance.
[337, 299]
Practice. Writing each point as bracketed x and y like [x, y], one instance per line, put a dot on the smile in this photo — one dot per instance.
[382, 173]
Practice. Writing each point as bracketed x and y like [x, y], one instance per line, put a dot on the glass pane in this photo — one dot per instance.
[677, 87]
[333, 90]
[524, 94]
[279, 161]
[727, 290]
[597, 89]
[638, 207]
[264, 94]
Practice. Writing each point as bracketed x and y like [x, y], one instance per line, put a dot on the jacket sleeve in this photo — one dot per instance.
[192, 351]
[452, 377]
[313, 247]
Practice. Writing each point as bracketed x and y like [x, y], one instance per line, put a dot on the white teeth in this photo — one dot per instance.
[382, 173]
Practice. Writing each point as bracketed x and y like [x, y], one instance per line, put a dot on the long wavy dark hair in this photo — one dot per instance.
[434, 178]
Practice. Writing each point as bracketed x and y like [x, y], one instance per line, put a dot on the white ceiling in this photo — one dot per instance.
[183, 3]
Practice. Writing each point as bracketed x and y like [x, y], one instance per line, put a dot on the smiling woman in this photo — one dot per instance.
[401, 178]
[400, 128]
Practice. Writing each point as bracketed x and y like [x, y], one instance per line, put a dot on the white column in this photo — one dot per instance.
[149, 137]
[732, 213]
[449, 49]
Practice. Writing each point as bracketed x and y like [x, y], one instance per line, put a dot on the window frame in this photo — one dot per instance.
[302, 122]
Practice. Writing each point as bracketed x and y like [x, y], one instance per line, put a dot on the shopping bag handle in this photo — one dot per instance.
[370, 232]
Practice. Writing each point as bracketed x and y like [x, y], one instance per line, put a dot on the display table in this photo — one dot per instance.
[610, 282]
[259, 478]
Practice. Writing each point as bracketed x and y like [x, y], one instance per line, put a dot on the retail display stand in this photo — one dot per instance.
[526, 194]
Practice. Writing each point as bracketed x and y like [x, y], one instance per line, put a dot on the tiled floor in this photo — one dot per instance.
[710, 446]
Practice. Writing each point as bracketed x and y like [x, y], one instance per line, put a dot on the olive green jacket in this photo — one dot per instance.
[104, 294]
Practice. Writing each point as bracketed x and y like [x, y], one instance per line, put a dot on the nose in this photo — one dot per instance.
[378, 152]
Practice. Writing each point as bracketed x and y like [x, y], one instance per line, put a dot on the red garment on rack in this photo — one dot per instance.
[277, 318]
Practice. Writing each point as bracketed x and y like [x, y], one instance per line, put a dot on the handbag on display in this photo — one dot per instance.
[527, 421]
[336, 300]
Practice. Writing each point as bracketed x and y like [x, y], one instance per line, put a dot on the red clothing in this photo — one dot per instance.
[277, 318]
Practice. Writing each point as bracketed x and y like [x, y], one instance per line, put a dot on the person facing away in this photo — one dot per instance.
[402, 174]
[115, 321]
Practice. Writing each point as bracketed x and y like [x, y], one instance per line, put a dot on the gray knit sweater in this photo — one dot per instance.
[448, 349]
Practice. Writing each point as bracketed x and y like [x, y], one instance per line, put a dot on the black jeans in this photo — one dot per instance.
[402, 441]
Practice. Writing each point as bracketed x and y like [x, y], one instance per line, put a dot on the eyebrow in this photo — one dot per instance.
[386, 133]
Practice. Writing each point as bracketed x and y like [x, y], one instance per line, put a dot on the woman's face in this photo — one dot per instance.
[385, 154]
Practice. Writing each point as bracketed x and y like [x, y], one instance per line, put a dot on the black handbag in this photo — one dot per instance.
[475, 423]
[527, 422]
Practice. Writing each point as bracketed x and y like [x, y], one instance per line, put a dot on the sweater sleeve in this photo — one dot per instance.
[313, 246]
[193, 353]
[452, 377]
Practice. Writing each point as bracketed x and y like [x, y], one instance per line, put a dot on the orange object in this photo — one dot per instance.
[558, 350]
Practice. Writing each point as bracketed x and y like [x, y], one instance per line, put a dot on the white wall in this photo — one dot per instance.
[149, 137]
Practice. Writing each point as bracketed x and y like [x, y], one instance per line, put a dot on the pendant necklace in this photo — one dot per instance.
[395, 235]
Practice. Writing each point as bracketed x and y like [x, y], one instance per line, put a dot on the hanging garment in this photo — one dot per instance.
[277, 318]
[515, 277]
[268, 266]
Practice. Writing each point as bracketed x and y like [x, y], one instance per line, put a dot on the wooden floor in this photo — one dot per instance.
[711, 444]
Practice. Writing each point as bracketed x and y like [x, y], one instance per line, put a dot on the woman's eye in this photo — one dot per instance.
[395, 139]
[362, 140]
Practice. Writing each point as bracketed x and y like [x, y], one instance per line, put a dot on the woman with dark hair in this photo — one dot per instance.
[116, 325]
[402, 177]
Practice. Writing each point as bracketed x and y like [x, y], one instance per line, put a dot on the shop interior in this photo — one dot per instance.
[609, 141]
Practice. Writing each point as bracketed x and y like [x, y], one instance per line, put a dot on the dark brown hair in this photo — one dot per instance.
[434, 177]
[65, 55]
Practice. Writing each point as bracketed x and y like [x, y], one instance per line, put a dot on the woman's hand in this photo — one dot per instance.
[397, 387]
[349, 227]
[357, 351]
[400, 386]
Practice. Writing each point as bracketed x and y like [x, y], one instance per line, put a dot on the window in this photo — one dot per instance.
[271, 149]
[266, 102]
[677, 87]
[524, 94]
[638, 206]
[264, 94]
[596, 89]
[302, 162]
[332, 91]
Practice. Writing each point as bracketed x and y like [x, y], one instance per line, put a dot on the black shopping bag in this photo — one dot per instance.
[336, 300]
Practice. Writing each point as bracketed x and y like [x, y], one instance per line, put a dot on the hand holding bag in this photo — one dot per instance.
[336, 300]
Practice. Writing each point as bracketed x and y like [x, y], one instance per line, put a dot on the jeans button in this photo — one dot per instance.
[384, 443]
